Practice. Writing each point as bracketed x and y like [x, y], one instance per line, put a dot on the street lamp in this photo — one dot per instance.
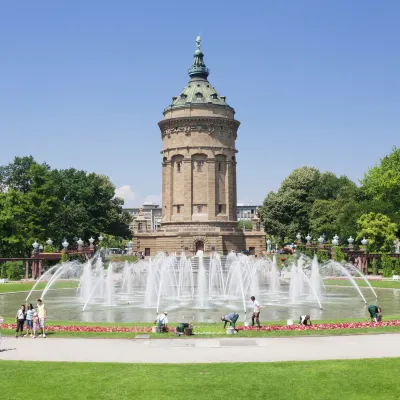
[91, 241]
[321, 240]
[335, 240]
[350, 241]
[49, 242]
[101, 238]
[308, 238]
[65, 244]
[40, 248]
[269, 245]
[364, 242]
[298, 236]
[35, 244]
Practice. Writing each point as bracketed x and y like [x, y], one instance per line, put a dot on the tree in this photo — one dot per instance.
[382, 182]
[37, 202]
[308, 201]
[380, 231]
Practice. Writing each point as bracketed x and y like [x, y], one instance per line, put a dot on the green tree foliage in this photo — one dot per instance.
[308, 201]
[382, 182]
[37, 203]
[380, 231]
[245, 225]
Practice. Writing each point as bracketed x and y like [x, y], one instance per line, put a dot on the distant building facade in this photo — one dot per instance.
[152, 214]
[246, 212]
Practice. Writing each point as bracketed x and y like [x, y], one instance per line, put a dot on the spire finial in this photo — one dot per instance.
[198, 69]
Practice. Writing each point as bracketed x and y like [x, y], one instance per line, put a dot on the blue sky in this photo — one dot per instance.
[83, 84]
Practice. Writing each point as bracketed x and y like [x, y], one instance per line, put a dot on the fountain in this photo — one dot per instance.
[201, 285]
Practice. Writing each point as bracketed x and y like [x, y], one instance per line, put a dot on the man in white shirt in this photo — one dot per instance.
[162, 322]
[256, 311]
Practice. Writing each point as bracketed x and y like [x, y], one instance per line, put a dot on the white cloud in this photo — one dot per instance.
[125, 192]
[153, 198]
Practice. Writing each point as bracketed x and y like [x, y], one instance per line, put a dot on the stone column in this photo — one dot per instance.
[211, 206]
[167, 200]
[229, 189]
[39, 268]
[187, 176]
[26, 269]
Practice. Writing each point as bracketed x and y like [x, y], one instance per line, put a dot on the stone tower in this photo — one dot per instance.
[199, 131]
[199, 199]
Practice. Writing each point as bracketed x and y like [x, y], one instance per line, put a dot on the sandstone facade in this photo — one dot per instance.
[199, 193]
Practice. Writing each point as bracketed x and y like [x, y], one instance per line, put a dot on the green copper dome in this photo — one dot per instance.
[198, 91]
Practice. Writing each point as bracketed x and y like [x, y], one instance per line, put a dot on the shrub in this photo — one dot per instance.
[64, 256]
[387, 265]
[397, 267]
[322, 255]
[338, 253]
[15, 270]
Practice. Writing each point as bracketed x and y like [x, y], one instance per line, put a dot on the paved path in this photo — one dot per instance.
[202, 350]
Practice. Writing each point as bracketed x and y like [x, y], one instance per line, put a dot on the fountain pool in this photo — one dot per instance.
[202, 289]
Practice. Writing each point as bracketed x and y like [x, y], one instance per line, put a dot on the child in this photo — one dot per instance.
[35, 325]
[29, 319]
[20, 317]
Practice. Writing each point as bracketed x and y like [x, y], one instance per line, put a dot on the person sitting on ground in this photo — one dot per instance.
[305, 320]
[231, 318]
[162, 322]
[180, 328]
[375, 313]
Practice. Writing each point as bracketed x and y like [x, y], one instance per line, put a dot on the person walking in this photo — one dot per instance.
[29, 319]
[231, 318]
[42, 314]
[256, 312]
[20, 317]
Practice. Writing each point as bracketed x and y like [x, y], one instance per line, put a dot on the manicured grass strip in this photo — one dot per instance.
[328, 380]
[362, 283]
[26, 287]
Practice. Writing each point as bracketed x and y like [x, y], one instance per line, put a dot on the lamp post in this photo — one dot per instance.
[80, 244]
[49, 242]
[321, 241]
[91, 241]
[308, 238]
[269, 245]
[101, 238]
[298, 236]
[35, 245]
[335, 240]
[350, 240]
[41, 248]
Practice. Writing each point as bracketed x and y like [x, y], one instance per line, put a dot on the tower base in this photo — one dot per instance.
[183, 238]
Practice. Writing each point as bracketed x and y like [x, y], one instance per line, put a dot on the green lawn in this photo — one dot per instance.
[375, 284]
[27, 286]
[328, 380]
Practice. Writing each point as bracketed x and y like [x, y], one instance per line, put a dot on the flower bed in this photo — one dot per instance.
[320, 327]
[268, 328]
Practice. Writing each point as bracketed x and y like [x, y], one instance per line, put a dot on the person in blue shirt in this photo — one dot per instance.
[231, 318]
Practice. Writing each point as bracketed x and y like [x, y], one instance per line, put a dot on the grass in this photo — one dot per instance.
[329, 380]
[209, 330]
[375, 284]
[27, 286]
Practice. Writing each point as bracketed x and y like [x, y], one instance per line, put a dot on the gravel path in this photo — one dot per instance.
[201, 350]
